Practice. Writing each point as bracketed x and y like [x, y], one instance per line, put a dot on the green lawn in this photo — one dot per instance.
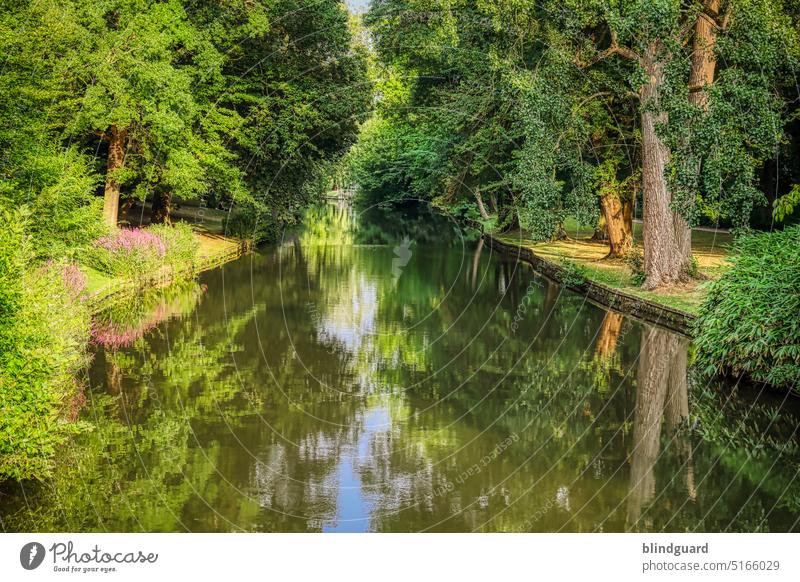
[709, 248]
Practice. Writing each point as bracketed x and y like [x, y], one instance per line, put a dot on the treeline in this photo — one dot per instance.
[242, 104]
[527, 113]
[139, 100]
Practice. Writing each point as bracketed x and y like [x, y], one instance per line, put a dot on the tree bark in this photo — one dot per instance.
[600, 230]
[116, 158]
[662, 263]
[618, 217]
[704, 62]
[701, 75]
[162, 206]
[481, 207]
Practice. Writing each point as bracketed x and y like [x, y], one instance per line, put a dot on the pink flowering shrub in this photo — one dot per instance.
[128, 251]
[72, 277]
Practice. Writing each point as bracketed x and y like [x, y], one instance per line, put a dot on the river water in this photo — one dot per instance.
[382, 370]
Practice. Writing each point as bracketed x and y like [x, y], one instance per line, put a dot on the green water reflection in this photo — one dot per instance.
[385, 371]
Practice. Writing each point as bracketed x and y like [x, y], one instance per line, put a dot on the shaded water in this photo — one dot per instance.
[384, 371]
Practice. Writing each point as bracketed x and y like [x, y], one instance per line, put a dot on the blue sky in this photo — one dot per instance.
[357, 5]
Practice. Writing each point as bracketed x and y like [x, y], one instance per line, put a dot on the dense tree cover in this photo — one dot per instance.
[540, 110]
[247, 102]
[244, 104]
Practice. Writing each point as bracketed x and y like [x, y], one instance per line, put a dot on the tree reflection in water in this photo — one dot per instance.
[308, 387]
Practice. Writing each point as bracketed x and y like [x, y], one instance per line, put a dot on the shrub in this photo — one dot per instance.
[749, 322]
[634, 258]
[128, 251]
[574, 274]
[180, 242]
[44, 332]
[253, 223]
[132, 252]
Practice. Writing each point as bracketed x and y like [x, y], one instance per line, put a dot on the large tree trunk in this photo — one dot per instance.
[162, 206]
[704, 62]
[116, 158]
[662, 263]
[618, 217]
[701, 75]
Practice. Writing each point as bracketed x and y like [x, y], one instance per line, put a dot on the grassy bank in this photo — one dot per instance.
[211, 250]
[46, 324]
[579, 252]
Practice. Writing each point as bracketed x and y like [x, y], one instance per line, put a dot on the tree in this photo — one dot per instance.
[297, 79]
[146, 90]
[554, 102]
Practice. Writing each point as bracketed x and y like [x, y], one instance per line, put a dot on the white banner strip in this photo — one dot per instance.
[408, 557]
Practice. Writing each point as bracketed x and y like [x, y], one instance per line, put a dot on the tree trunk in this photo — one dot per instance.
[618, 216]
[701, 75]
[508, 219]
[662, 264]
[481, 207]
[162, 206]
[493, 202]
[600, 229]
[116, 158]
[704, 63]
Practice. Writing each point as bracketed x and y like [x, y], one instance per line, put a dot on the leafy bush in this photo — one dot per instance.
[131, 252]
[750, 321]
[181, 243]
[44, 331]
[574, 274]
[55, 190]
[128, 252]
[253, 222]
[634, 258]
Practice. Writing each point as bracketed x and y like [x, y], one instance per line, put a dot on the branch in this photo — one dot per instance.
[614, 49]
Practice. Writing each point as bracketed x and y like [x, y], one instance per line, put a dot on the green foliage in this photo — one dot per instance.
[634, 258]
[749, 321]
[181, 243]
[574, 274]
[785, 205]
[43, 336]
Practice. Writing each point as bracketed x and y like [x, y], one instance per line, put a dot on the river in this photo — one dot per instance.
[383, 370]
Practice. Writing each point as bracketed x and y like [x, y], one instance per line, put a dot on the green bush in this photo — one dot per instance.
[181, 243]
[44, 331]
[634, 258]
[254, 223]
[750, 321]
[133, 252]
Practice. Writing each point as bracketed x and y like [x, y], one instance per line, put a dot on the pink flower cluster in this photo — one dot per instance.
[74, 279]
[129, 240]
